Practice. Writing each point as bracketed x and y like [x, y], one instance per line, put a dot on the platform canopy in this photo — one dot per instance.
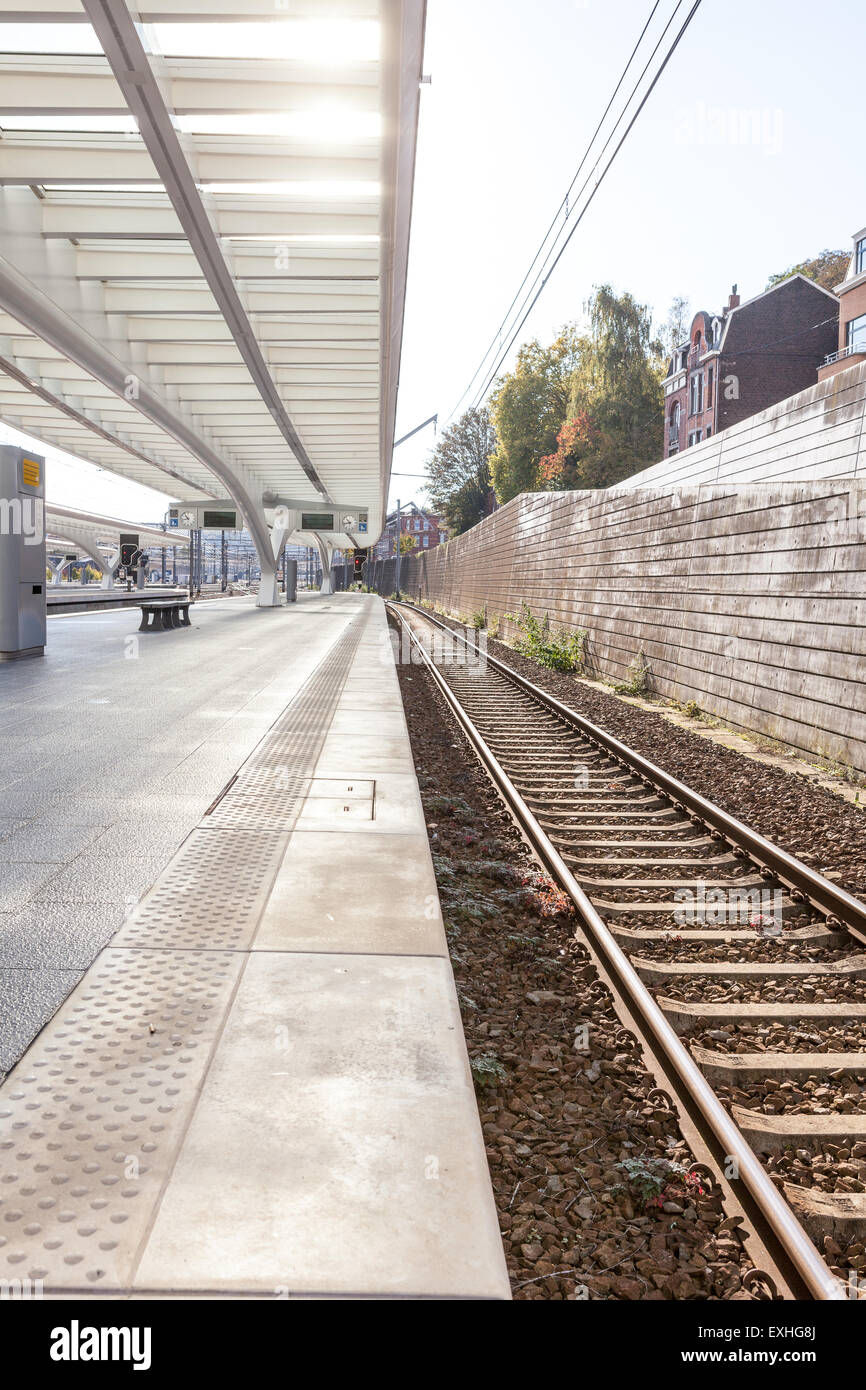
[64, 523]
[204, 227]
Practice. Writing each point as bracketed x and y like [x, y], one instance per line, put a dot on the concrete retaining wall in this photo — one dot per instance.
[819, 433]
[749, 600]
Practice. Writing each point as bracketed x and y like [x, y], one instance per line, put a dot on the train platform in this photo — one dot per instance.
[62, 599]
[256, 1082]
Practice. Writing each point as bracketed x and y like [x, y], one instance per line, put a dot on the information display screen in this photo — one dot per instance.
[219, 521]
[317, 521]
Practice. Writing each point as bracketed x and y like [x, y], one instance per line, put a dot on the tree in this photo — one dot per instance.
[677, 325]
[827, 269]
[407, 543]
[614, 425]
[459, 470]
[528, 408]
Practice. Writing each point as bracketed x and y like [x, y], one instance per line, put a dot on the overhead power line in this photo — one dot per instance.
[554, 255]
[563, 207]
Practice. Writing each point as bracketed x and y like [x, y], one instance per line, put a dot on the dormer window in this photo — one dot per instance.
[717, 330]
[860, 256]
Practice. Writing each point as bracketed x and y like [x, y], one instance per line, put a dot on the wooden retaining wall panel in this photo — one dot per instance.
[749, 600]
[819, 433]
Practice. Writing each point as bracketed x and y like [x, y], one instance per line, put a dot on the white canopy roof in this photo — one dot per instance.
[204, 224]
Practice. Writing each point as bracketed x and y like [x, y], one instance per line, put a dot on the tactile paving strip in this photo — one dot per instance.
[92, 1117]
[270, 788]
[211, 896]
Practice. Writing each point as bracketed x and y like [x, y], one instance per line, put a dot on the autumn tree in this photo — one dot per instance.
[614, 422]
[827, 269]
[528, 408]
[459, 470]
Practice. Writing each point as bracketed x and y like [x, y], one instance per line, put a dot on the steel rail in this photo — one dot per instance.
[808, 1269]
[840, 908]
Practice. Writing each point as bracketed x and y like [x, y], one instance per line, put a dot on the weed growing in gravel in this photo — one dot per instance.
[454, 807]
[638, 679]
[479, 618]
[653, 1181]
[560, 651]
[487, 1070]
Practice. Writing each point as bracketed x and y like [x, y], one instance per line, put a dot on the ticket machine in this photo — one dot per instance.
[23, 597]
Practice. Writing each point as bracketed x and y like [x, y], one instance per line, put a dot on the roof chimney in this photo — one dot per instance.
[733, 298]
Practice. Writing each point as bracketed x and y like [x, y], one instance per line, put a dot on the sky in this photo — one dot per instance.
[701, 195]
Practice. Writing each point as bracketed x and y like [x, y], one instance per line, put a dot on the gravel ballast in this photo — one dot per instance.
[561, 1086]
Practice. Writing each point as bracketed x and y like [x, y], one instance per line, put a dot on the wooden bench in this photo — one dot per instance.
[164, 614]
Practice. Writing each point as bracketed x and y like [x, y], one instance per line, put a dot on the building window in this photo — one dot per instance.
[426, 540]
[696, 398]
[708, 432]
[860, 256]
[426, 525]
[856, 336]
[709, 386]
[674, 432]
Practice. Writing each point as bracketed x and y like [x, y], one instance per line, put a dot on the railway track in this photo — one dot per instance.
[740, 969]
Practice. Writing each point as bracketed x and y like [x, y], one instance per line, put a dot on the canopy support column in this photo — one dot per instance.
[326, 554]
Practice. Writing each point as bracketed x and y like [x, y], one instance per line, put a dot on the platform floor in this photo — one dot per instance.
[260, 1085]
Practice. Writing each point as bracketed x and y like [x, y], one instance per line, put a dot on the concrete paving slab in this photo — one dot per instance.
[367, 755]
[91, 879]
[65, 937]
[334, 893]
[21, 881]
[54, 843]
[28, 998]
[370, 1174]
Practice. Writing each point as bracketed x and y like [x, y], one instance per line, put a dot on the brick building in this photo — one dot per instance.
[851, 346]
[746, 358]
[427, 528]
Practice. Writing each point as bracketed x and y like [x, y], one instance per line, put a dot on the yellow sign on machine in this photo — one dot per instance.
[29, 472]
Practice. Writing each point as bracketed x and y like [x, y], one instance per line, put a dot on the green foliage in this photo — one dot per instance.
[589, 410]
[827, 269]
[479, 619]
[638, 681]
[459, 470]
[560, 651]
[528, 408]
[650, 1179]
[617, 388]
[487, 1070]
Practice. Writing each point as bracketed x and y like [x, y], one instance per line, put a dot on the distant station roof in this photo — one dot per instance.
[204, 225]
[64, 523]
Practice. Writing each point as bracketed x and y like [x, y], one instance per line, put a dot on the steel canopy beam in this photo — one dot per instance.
[30, 306]
[130, 64]
[57, 403]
